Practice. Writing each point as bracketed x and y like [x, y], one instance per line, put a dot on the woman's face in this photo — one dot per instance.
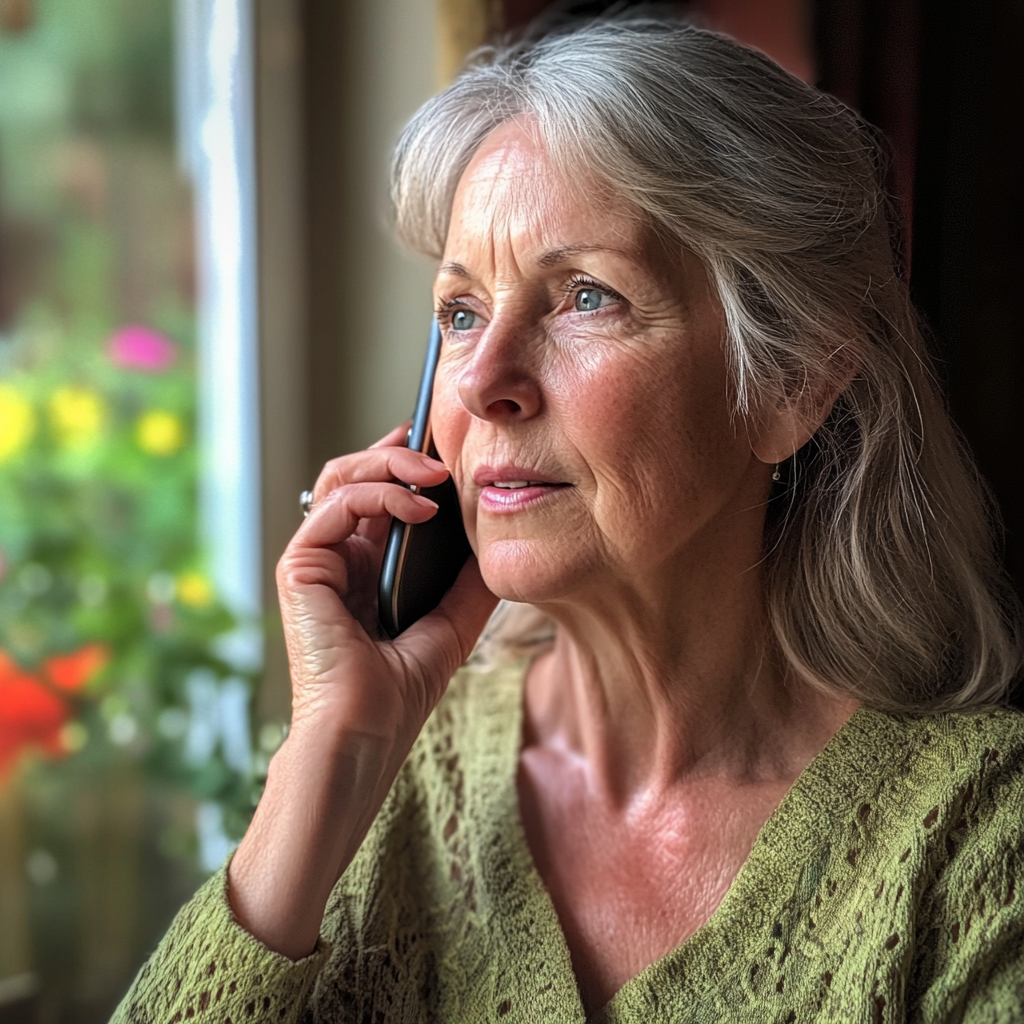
[581, 400]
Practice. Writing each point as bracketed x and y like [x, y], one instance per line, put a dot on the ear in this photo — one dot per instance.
[779, 430]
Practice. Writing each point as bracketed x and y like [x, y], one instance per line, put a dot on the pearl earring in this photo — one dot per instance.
[776, 476]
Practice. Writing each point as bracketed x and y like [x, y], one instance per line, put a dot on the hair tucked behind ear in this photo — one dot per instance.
[881, 577]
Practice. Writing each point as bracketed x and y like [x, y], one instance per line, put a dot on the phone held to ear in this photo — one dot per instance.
[422, 561]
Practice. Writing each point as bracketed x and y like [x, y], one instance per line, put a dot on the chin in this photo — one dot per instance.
[517, 570]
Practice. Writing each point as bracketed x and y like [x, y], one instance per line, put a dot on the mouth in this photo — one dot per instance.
[518, 485]
[507, 490]
[509, 476]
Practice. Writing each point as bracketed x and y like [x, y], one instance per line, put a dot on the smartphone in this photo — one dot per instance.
[421, 561]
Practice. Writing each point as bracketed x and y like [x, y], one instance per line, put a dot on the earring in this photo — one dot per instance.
[776, 476]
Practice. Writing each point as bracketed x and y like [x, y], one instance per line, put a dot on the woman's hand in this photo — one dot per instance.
[358, 701]
[343, 673]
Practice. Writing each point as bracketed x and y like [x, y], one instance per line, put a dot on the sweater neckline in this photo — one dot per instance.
[859, 751]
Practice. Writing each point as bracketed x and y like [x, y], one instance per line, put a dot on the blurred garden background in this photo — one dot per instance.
[128, 760]
[200, 303]
[153, 409]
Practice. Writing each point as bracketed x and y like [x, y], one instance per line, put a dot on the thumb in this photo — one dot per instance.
[446, 637]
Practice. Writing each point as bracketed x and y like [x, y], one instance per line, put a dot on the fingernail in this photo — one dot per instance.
[435, 463]
[425, 502]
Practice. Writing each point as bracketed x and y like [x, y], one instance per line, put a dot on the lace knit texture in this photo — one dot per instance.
[886, 887]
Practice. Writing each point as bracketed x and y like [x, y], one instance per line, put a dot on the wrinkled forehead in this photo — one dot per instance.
[512, 161]
[514, 190]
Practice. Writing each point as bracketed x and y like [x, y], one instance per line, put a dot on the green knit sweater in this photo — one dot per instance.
[886, 887]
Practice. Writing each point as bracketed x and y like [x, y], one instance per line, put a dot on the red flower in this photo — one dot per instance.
[72, 671]
[30, 715]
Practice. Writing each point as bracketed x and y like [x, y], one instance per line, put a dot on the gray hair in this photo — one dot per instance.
[882, 581]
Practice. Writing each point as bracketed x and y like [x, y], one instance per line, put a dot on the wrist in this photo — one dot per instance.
[321, 797]
[323, 760]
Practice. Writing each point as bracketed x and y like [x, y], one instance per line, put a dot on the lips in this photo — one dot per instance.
[514, 477]
[515, 485]
[505, 489]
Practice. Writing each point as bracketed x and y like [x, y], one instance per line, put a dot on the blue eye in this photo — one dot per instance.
[588, 299]
[463, 320]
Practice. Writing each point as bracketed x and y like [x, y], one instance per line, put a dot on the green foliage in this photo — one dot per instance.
[98, 457]
[98, 540]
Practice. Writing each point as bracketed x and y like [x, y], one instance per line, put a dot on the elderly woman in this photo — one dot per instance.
[734, 753]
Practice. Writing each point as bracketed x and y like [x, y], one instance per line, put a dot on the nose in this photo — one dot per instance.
[500, 382]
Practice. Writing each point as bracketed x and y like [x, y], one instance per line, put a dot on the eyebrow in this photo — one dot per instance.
[549, 259]
[565, 252]
[453, 268]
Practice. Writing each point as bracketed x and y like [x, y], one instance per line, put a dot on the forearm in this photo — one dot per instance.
[323, 792]
[357, 703]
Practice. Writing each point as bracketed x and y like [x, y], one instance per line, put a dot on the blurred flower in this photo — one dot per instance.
[74, 736]
[26, 637]
[141, 348]
[31, 715]
[17, 421]
[77, 415]
[194, 590]
[159, 433]
[72, 671]
[114, 704]
[123, 729]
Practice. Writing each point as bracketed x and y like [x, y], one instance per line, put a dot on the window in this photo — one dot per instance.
[128, 646]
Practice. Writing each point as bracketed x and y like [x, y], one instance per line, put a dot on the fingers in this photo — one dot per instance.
[385, 463]
[335, 518]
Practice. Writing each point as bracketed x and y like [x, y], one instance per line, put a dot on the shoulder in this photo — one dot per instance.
[920, 786]
[895, 864]
[947, 827]
[948, 787]
[962, 759]
[961, 737]
[967, 771]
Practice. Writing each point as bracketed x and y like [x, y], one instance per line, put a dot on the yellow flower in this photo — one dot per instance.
[77, 415]
[194, 589]
[17, 421]
[159, 433]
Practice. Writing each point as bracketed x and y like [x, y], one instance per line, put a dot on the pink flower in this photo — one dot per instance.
[141, 348]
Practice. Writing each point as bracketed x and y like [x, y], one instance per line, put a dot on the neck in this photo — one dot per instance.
[654, 687]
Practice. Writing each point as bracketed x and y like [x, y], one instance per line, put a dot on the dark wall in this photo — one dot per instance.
[945, 81]
[968, 260]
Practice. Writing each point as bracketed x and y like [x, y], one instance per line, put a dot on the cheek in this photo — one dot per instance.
[645, 430]
[450, 423]
[653, 424]
[448, 416]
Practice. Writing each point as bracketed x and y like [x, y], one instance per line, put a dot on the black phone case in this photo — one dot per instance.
[422, 561]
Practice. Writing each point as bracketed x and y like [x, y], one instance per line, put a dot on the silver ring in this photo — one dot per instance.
[306, 503]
